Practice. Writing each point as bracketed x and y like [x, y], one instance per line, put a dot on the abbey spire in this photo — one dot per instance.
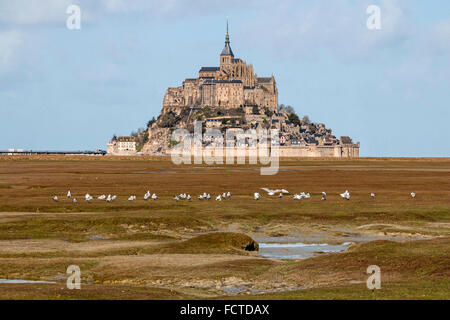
[227, 36]
[227, 49]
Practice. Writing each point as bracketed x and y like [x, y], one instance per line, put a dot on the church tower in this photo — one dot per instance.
[226, 56]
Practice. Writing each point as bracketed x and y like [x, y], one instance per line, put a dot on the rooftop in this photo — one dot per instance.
[264, 80]
[221, 81]
[227, 50]
[125, 139]
[209, 69]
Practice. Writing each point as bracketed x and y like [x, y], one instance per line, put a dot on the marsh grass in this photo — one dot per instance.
[175, 230]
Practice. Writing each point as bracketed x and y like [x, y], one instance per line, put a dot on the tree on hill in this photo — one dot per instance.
[151, 122]
[141, 140]
[169, 120]
[288, 109]
[293, 118]
[140, 137]
[306, 120]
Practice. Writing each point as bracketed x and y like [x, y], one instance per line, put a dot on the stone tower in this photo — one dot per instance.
[227, 56]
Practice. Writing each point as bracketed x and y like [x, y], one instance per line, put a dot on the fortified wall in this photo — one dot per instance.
[337, 151]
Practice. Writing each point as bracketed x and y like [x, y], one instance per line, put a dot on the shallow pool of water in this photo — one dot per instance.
[158, 172]
[20, 281]
[298, 250]
[243, 289]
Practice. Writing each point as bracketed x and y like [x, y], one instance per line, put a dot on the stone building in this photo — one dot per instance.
[122, 146]
[233, 84]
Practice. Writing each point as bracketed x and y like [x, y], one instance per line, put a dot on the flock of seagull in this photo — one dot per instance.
[109, 198]
[303, 195]
[299, 196]
[204, 196]
[207, 196]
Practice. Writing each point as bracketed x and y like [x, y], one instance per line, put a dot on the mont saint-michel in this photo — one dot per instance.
[232, 96]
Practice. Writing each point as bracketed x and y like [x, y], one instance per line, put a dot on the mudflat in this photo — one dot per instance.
[167, 249]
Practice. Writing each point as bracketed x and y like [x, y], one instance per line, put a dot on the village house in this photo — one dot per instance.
[122, 146]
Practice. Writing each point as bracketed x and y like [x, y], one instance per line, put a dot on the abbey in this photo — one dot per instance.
[233, 84]
[230, 98]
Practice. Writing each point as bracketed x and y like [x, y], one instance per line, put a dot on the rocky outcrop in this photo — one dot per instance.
[159, 140]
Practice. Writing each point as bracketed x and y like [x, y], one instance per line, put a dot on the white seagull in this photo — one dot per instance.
[273, 192]
[372, 195]
[257, 196]
[103, 197]
[219, 198]
[69, 194]
[302, 196]
[55, 198]
[324, 196]
[132, 198]
[413, 195]
[147, 195]
[88, 197]
[74, 200]
[154, 196]
[229, 194]
[346, 195]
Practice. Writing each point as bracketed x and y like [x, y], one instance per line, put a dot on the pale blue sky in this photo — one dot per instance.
[72, 90]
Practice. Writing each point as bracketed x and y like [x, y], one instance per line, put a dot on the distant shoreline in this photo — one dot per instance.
[85, 156]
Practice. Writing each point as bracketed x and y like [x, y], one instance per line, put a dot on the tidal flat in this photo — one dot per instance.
[167, 249]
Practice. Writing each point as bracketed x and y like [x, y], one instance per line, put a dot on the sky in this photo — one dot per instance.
[63, 89]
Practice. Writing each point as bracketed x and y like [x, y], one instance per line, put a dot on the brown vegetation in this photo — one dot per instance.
[194, 249]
